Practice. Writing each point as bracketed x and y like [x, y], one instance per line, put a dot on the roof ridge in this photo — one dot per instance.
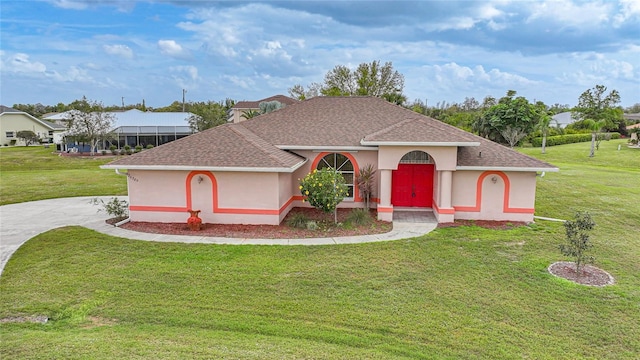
[256, 140]
[394, 126]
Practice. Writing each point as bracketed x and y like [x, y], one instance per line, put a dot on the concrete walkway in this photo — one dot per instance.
[21, 222]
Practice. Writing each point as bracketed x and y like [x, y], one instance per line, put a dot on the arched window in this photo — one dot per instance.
[343, 165]
[416, 157]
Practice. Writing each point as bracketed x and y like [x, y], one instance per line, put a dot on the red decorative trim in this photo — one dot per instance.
[214, 188]
[505, 201]
[157, 208]
[215, 207]
[442, 211]
[356, 170]
[385, 209]
[220, 210]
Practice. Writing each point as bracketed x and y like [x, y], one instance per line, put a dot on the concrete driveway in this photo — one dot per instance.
[20, 222]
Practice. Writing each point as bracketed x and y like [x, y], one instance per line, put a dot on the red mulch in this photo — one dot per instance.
[589, 275]
[326, 227]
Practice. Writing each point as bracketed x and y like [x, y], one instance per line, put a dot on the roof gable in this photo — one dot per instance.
[256, 104]
[420, 131]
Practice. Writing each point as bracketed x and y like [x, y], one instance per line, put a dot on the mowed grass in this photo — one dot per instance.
[456, 293]
[36, 173]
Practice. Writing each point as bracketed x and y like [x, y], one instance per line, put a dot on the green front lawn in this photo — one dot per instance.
[456, 293]
[36, 173]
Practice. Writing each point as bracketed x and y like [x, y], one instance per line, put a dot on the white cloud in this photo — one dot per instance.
[118, 50]
[191, 71]
[21, 63]
[454, 75]
[569, 13]
[172, 48]
[629, 9]
[70, 4]
[185, 77]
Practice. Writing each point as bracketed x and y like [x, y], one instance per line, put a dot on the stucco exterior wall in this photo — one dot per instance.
[359, 159]
[494, 195]
[222, 197]
[15, 122]
[445, 158]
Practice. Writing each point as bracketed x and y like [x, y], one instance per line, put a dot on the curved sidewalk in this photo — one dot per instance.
[20, 222]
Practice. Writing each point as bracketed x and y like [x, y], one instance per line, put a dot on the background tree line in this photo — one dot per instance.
[507, 120]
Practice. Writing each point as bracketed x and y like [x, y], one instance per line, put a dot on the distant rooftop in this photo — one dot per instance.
[135, 117]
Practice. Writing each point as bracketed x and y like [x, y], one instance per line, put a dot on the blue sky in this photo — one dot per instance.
[60, 50]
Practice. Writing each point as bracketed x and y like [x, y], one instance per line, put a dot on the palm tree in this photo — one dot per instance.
[595, 127]
[248, 114]
[366, 180]
[543, 125]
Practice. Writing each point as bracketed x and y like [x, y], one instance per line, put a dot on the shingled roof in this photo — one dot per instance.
[324, 123]
[256, 104]
[226, 147]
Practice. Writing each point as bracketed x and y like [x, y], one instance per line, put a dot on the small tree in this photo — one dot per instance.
[595, 127]
[28, 136]
[366, 180]
[578, 239]
[91, 123]
[324, 189]
[270, 106]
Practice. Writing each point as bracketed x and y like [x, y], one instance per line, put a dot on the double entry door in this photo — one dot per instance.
[412, 185]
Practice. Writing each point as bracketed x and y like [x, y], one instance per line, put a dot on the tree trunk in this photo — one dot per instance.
[593, 145]
[544, 143]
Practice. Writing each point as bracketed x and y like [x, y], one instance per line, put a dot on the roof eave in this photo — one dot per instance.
[509, 168]
[206, 168]
[325, 148]
[420, 143]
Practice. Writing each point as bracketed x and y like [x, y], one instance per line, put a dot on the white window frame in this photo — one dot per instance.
[340, 168]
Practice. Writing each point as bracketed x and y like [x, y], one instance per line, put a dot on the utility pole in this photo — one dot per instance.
[123, 103]
[183, 92]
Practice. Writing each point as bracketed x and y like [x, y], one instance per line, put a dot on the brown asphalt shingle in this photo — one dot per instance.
[323, 122]
[223, 146]
[256, 104]
[420, 130]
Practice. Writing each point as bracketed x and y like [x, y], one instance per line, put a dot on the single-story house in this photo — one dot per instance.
[561, 120]
[248, 172]
[12, 121]
[236, 112]
[134, 127]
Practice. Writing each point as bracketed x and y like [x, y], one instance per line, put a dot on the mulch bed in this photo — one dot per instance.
[589, 275]
[326, 227]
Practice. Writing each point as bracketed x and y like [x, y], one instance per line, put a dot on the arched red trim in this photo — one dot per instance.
[356, 170]
[505, 201]
[214, 189]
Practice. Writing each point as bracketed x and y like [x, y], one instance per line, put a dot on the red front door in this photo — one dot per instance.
[412, 185]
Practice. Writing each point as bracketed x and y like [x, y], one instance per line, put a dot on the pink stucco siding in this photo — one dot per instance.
[494, 195]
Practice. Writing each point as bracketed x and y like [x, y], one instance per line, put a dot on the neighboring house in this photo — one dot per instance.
[634, 135]
[134, 127]
[236, 112]
[561, 120]
[12, 121]
[248, 172]
[633, 117]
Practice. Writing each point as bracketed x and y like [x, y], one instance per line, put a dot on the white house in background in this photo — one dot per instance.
[12, 121]
[561, 120]
[134, 127]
